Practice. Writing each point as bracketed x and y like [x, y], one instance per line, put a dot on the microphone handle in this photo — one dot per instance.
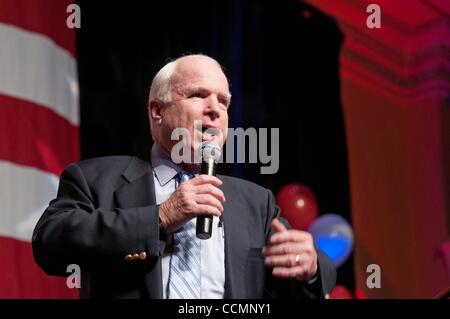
[205, 223]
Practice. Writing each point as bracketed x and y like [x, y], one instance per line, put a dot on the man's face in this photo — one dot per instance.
[199, 91]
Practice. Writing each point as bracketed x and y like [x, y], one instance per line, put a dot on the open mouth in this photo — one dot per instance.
[210, 130]
[209, 133]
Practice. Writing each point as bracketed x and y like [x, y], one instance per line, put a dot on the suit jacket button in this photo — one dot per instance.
[143, 255]
[128, 257]
[135, 256]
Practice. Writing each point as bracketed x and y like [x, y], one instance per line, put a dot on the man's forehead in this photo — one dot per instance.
[191, 87]
[197, 72]
[200, 78]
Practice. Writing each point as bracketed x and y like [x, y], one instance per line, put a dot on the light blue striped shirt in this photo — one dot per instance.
[212, 250]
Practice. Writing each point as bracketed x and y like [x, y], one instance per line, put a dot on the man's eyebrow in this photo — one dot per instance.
[204, 89]
[197, 88]
[228, 97]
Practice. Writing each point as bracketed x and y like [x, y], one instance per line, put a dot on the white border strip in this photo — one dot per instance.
[34, 68]
[25, 192]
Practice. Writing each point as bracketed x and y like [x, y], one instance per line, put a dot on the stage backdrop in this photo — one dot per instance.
[39, 133]
[395, 84]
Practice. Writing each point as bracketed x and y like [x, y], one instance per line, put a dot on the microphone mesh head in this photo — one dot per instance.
[211, 149]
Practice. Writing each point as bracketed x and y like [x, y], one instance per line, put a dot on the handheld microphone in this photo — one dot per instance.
[211, 152]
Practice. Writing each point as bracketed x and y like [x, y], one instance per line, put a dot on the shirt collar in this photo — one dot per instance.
[163, 167]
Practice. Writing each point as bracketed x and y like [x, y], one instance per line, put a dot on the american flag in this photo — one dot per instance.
[39, 133]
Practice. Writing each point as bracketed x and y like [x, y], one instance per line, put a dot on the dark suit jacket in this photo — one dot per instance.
[106, 210]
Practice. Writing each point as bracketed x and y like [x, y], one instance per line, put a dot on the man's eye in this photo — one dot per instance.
[196, 95]
[224, 103]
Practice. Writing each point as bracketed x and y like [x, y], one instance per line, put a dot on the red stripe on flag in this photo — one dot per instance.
[22, 277]
[47, 17]
[33, 135]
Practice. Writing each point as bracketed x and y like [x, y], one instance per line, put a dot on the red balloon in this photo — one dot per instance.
[340, 292]
[298, 205]
[359, 294]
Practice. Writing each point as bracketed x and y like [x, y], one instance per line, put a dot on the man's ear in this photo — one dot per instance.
[155, 111]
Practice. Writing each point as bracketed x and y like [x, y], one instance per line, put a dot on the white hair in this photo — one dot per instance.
[160, 88]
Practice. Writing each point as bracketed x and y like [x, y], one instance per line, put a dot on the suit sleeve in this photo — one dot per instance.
[73, 230]
[326, 275]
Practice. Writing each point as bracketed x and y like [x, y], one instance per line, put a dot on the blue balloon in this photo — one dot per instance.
[334, 236]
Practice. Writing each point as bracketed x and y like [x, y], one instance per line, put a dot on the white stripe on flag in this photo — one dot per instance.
[24, 194]
[35, 69]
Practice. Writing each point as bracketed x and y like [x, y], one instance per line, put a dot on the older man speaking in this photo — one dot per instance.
[129, 222]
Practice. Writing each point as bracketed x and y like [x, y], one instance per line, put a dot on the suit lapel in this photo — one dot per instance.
[235, 222]
[138, 190]
[138, 187]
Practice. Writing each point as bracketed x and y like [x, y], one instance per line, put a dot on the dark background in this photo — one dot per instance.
[281, 59]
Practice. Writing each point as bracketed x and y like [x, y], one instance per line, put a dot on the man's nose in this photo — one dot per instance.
[212, 108]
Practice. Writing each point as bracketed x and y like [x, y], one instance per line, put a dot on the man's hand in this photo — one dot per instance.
[291, 253]
[198, 196]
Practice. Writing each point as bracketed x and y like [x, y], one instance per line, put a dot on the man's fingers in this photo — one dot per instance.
[212, 190]
[285, 249]
[206, 179]
[292, 260]
[206, 199]
[278, 226]
[208, 210]
[290, 236]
